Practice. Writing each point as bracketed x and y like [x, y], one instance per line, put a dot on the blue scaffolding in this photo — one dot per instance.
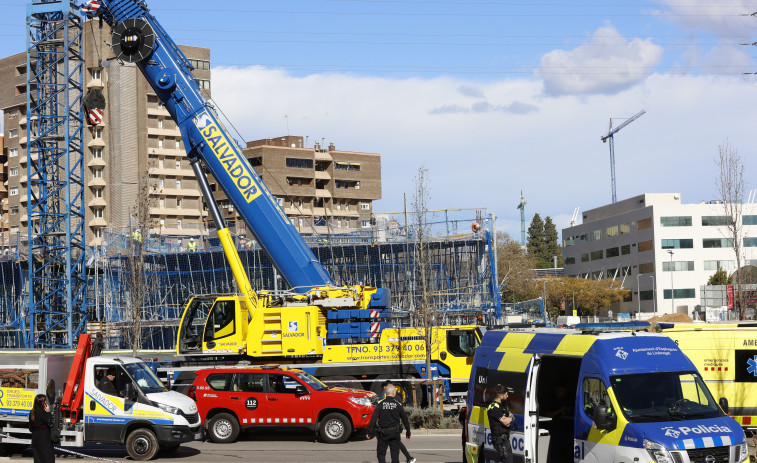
[55, 172]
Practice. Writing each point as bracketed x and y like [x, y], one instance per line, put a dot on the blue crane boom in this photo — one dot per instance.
[611, 136]
[139, 38]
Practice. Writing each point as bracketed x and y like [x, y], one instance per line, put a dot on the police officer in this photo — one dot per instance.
[386, 423]
[500, 419]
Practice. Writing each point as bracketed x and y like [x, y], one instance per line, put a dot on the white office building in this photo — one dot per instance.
[663, 251]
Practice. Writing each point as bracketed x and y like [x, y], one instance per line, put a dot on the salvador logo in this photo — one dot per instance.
[670, 432]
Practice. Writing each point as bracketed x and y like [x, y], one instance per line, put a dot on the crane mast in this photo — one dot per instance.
[611, 137]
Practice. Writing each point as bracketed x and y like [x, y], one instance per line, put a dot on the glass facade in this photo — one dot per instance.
[612, 252]
[677, 221]
[749, 220]
[611, 231]
[683, 243]
[678, 266]
[750, 242]
[625, 249]
[715, 220]
[717, 243]
[716, 264]
[683, 293]
[570, 260]
[596, 255]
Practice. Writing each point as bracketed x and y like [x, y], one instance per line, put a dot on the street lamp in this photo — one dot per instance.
[654, 299]
[672, 289]
[638, 292]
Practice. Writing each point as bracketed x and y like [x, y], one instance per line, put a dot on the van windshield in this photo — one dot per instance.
[145, 378]
[670, 396]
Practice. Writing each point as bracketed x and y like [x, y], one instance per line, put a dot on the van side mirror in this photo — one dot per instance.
[723, 402]
[130, 392]
[300, 390]
[605, 418]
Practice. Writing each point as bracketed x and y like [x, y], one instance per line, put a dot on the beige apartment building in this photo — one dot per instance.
[323, 190]
[136, 142]
[4, 229]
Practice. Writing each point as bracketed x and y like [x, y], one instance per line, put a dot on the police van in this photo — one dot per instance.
[598, 395]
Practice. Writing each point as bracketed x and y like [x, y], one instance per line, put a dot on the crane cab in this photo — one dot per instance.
[212, 325]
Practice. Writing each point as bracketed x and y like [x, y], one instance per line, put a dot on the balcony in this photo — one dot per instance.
[322, 175]
[96, 162]
[319, 193]
[164, 132]
[97, 202]
[97, 222]
[96, 143]
[95, 83]
[95, 182]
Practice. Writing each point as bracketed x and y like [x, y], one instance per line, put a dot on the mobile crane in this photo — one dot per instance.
[339, 329]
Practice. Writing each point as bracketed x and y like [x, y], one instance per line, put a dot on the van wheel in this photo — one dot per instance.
[335, 428]
[223, 428]
[142, 445]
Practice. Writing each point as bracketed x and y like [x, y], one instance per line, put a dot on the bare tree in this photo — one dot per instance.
[139, 278]
[730, 188]
[426, 313]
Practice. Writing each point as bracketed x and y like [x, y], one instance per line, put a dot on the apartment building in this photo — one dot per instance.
[662, 250]
[321, 189]
[4, 229]
[137, 146]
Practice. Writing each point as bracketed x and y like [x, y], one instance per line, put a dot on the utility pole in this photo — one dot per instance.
[522, 207]
[672, 289]
[611, 136]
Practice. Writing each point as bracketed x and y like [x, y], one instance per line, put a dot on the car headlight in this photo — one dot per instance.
[364, 401]
[743, 452]
[167, 408]
[657, 452]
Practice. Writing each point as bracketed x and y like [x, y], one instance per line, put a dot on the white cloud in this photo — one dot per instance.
[706, 15]
[484, 159]
[607, 64]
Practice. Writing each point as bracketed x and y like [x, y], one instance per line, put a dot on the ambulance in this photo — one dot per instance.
[726, 355]
[598, 393]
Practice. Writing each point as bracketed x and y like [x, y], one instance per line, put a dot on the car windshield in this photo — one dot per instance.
[671, 396]
[145, 378]
[311, 381]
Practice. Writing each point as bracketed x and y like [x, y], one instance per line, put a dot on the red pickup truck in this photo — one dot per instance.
[243, 398]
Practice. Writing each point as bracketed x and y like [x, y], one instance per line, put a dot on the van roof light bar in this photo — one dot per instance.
[612, 327]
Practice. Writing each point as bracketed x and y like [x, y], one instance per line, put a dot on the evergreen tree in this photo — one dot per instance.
[720, 277]
[551, 244]
[535, 239]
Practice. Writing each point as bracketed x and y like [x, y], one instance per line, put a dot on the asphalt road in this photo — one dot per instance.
[274, 448]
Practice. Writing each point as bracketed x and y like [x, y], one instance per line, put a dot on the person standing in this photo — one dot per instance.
[402, 446]
[40, 425]
[500, 419]
[386, 423]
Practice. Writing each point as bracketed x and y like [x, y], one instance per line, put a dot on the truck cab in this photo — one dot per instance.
[597, 396]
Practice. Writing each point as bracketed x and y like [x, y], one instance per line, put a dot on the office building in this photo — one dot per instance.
[660, 249]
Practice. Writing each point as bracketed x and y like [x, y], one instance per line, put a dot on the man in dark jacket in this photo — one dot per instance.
[386, 422]
[106, 383]
[500, 419]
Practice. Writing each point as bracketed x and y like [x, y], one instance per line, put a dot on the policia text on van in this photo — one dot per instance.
[631, 397]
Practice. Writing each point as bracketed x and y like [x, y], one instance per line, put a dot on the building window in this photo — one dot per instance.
[96, 74]
[596, 255]
[97, 134]
[595, 235]
[178, 145]
[97, 172]
[715, 220]
[204, 84]
[162, 203]
[625, 249]
[97, 153]
[178, 223]
[625, 228]
[160, 143]
[200, 64]
[646, 268]
[365, 223]
[570, 261]
[678, 266]
[682, 293]
[297, 162]
[644, 224]
[161, 183]
[585, 257]
[178, 165]
[749, 220]
[256, 161]
[178, 203]
[13, 171]
[646, 295]
[97, 193]
[178, 184]
[611, 231]
[684, 243]
[162, 222]
[160, 123]
[97, 233]
[97, 212]
[13, 191]
[280, 202]
[727, 265]
[354, 166]
[645, 246]
[12, 133]
[12, 152]
[750, 242]
[678, 221]
[612, 252]
[14, 210]
[365, 206]
[717, 243]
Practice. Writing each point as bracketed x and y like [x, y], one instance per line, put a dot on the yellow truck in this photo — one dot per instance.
[726, 356]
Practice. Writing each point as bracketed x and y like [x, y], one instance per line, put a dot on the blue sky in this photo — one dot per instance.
[493, 97]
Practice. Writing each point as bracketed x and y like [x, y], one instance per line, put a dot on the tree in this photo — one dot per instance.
[720, 277]
[551, 243]
[589, 295]
[535, 240]
[514, 269]
[730, 187]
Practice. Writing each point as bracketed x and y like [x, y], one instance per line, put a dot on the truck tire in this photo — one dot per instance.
[335, 428]
[223, 428]
[142, 445]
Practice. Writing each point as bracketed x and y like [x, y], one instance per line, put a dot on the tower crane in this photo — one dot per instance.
[611, 136]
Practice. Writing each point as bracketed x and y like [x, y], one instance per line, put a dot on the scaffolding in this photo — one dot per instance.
[55, 171]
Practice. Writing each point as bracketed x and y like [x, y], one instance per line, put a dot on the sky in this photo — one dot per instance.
[491, 97]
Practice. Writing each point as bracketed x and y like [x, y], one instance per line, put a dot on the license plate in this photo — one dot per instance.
[198, 436]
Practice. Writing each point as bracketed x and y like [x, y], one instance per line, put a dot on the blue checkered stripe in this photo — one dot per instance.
[704, 442]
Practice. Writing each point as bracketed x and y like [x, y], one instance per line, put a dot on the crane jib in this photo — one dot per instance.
[235, 165]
